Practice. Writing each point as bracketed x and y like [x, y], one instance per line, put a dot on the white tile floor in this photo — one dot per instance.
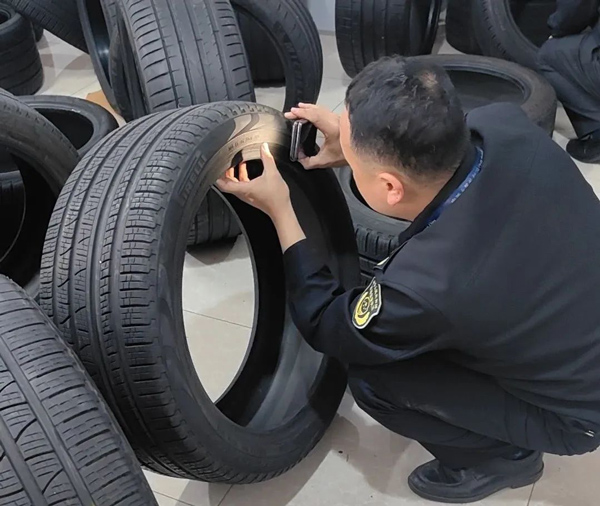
[358, 462]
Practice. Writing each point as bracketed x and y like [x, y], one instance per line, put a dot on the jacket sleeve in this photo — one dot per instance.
[573, 16]
[324, 313]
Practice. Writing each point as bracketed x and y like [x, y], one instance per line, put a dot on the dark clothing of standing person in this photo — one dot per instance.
[570, 60]
[479, 337]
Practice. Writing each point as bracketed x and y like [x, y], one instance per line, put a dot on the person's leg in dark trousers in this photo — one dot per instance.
[572, 65]
[467, 421]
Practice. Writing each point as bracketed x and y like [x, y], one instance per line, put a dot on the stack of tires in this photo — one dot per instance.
[499, 29]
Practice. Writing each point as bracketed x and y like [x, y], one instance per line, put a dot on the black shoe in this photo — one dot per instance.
[435, 482]
[586, 149]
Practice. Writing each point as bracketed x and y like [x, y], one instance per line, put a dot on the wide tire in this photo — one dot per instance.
[60, 443]
[45, 158]
[176, 54]
[112, 281]
[21, 70]
[368, 31]
[59, 17]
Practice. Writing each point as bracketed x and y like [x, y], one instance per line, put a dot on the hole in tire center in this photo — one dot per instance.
[74, 126]
[26, 204]
[248, 355]
[4, 17]
[477, 89]
[218, 296]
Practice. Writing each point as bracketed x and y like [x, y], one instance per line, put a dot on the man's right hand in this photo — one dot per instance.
[328, 124]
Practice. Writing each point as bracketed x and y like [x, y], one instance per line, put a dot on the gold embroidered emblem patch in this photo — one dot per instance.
[368, 305]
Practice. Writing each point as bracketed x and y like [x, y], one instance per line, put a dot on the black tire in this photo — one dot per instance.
[60, 444]
[480, 81]
[265, 65]
[59, 17]
[177, 54]
[127, 270]
[295, 38]
[213, 222]
[496, 25]
[12, 202]
[98, 22]
[82, 122]
[21, 70]
[45, 159]
[116, 77]
[376, 235]
[368, 31]
[459, 27]
[38, 32]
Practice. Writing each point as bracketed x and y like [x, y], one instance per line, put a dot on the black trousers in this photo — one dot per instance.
[572, 65]
[460, 416]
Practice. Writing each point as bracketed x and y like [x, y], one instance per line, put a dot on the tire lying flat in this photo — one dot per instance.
[368, 31]
[45, 159]
[177, 54]
[480, 81]
[59, 17]
[60, 443]
[21, 71]
[112, 281]
[82, 122]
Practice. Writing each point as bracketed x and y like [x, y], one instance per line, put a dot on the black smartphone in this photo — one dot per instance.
[304, 137]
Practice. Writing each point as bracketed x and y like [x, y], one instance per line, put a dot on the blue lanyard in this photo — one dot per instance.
[460, 190]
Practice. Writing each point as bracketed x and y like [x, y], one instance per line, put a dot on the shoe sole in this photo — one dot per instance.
[465, 500]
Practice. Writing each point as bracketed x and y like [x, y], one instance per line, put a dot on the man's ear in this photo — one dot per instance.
[394, 187]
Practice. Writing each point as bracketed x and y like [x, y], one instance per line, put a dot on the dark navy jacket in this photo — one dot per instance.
[573, 16]
[505, 282]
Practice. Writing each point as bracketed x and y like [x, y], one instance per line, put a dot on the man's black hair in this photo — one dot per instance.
[406, 113]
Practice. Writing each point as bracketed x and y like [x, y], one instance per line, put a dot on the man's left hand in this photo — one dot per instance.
[268, 192]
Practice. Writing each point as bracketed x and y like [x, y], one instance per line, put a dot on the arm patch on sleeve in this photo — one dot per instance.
[368, 305]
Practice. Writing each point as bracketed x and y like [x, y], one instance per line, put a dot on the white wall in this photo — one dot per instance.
[324, 13]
